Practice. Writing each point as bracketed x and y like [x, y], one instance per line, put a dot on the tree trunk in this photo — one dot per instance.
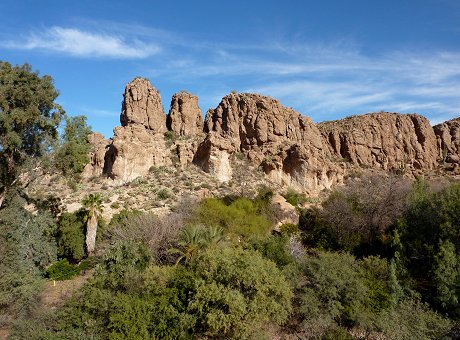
[91, 230]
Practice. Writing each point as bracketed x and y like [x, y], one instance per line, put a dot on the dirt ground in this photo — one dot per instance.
[55, 293]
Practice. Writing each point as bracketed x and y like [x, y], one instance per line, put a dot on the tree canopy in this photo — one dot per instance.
[29, 118]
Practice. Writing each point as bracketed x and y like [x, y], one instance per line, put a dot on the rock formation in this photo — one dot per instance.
[448, 139]
[142, 106]
[134, 150]
[290, 149]
[139, 143]
[286, 145]
[185, 121]
[98, 149]
[185, 117]
[384, 140]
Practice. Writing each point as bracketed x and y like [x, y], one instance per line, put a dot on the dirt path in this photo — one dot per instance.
[55, 293]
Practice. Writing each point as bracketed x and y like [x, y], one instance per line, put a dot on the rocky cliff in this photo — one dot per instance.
[287, 146]
[290, 149]
[448, 143]
[99, 146]
[388, 141]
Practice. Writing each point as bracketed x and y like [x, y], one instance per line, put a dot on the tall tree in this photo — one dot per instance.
[72, 156]
[93, 204]
[29, 119]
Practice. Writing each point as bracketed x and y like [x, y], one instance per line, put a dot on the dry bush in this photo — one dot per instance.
[366, 207]
[159, 233]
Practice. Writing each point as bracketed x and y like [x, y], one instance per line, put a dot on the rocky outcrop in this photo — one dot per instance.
[142, 106]
[98, 149]
[139, 143]
[185, 117]
[134, 150]
[286, 145]
[448, 140]
[289, 148]
[383, 140]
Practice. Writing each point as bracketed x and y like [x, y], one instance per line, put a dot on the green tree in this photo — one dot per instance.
[27, 247]
[71, 236]
[72, 156]
[93, 206]
[29, 119]
[447, 276]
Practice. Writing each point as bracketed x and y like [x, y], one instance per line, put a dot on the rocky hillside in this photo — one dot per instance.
[289, 148]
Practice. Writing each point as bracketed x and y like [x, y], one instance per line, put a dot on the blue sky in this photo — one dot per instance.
[326, 59]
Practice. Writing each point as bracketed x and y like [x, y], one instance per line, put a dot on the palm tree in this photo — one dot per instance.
[194, 238]
[93, 205]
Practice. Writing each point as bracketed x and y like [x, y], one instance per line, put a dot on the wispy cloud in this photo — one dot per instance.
[323, 80]
[81, 43]
[327, 81]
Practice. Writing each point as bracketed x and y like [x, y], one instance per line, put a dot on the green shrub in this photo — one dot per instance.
[333, 292]
[72, 156]
[120, 219]
[115, 205]
[274, 248]
[431, 244]
[206, 186]
[242, 217]
[294, 198]
[163, 194]
[411, 319]
[170, 136]
[123, 264]
[27, 247]
[238, 292]
[62, 270]
[316, 232]
[289, 228]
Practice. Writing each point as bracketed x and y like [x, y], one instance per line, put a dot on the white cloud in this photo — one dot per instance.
[333, 80]
[80, 43]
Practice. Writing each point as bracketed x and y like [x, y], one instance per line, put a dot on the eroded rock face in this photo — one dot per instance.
[185, 117]
[290, 149]
[142, 106]
[98, 149]
[134, 151]
[383, 140]
[448, 140]
[286, 145]
[139, 143]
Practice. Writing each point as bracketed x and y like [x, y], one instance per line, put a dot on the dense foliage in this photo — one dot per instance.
[29, 118]
[27, 247]
[203, 274]
[72, 155]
